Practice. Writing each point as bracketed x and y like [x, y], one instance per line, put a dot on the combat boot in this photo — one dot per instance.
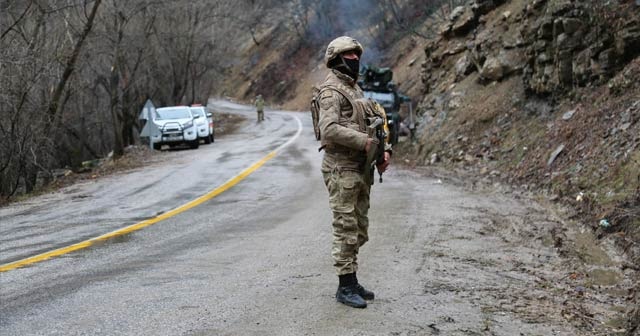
[348, 292]
[349, 296]
[364, 293]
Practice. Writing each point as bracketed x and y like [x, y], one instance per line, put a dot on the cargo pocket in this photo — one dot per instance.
[345, 196]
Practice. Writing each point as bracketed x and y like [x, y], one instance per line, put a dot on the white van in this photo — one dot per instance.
[177, 125]
[204, 123]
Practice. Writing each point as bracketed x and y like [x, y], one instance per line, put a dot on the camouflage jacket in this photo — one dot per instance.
[259, 104]
[343, 138]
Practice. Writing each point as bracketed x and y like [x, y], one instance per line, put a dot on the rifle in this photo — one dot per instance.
[375, 130]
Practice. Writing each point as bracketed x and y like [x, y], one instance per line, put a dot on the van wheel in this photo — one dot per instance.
[213, 139]
[194, 144]
[207, 140]
[157, 146]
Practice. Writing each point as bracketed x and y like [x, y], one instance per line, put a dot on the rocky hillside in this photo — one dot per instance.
[543, 95]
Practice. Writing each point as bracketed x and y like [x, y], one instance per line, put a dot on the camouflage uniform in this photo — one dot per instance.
[260, 107]
[344, 140]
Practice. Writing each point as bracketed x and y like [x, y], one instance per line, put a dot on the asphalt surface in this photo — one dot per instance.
[255, 260]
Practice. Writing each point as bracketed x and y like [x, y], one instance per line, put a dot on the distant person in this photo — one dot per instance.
[260, 107]
[346, 143]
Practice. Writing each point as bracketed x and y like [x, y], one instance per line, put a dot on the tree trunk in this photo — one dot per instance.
[71, 62]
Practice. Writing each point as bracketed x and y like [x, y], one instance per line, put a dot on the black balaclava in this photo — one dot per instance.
[349, 67]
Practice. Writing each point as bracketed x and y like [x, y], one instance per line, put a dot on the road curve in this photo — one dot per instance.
[255, 260]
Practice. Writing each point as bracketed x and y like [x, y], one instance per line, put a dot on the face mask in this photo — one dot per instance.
[350, 67]
[354, 67]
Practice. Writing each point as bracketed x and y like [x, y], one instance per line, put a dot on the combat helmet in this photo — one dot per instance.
[340, 45]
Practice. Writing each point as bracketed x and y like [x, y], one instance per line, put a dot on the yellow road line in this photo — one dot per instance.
[135, 227]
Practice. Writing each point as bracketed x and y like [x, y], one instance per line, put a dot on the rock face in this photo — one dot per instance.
[555, 44]
[568, 46]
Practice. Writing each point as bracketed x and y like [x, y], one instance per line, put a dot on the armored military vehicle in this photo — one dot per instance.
[377, 84]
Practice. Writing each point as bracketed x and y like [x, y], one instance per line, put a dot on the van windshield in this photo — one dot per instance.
[172, 113]
[198, 111]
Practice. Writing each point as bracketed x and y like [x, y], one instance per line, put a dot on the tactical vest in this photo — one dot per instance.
[357, 115]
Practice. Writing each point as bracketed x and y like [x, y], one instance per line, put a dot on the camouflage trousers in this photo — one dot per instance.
[349, 202]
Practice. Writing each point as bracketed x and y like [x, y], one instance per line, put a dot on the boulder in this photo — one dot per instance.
[512, 61]
[465, 22]
[464, 66]
[492, 69]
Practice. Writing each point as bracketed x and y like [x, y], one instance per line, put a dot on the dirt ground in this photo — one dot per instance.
[450, 254]
[580, 277]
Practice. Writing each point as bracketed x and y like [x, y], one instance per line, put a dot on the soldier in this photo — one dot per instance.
[346, 144]
[260, 107]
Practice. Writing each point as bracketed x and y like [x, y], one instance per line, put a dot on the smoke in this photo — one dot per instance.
[359, 19]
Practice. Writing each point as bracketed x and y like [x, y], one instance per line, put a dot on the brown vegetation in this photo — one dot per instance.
[77, 73]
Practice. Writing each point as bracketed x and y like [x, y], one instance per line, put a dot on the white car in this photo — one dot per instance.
[204, 123]
[177, 126]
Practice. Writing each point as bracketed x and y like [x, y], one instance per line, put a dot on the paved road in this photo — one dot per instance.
[255, 260]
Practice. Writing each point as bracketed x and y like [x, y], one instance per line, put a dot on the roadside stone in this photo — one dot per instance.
[492, 69]
[555, 154]
[434, 159]
[568, 114]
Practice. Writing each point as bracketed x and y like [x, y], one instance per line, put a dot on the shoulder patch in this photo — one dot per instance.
[326, 103]
[326, 94]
